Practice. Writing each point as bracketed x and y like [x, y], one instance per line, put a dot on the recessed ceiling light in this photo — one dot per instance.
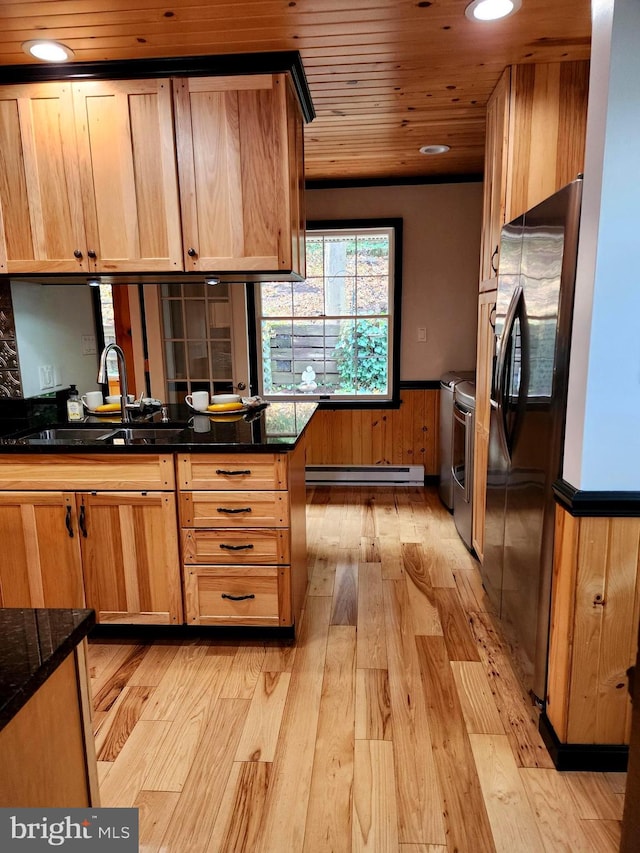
[434, 149]
[491, 10]
[48, 51]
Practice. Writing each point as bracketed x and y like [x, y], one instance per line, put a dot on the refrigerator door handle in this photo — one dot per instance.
[501, 367]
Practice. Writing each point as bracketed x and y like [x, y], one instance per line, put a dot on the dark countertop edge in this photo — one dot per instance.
[153, 449]
[21, 695]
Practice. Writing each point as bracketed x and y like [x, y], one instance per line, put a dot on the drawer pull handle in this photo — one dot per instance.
[236, 547]
[234, 511]
[231, 473]
[237, 597]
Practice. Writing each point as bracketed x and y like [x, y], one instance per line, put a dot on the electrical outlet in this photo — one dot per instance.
[422, 335]
[45, 372]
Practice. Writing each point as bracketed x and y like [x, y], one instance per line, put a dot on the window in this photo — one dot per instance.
[335, 336]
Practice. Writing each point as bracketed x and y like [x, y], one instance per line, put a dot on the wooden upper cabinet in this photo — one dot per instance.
[239, 161]
[41, 218]
[536, 128]
[495, 178]
[89, 176]
[128, 173]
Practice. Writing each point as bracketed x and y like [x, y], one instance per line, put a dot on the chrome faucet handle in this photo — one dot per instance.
[165, 417]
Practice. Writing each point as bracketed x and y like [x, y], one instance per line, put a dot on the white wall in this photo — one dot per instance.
[602, 447]
[441, 262]
[50, 322]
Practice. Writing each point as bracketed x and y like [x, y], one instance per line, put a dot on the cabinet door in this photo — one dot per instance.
[234, 166]
[130, 556]
[41, 220]
[128, 172]
[547, 130]
[40, 564]
[495, 179]
[484, 369]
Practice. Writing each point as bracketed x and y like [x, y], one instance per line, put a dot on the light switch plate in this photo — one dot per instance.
[88, 344]
[45, 372]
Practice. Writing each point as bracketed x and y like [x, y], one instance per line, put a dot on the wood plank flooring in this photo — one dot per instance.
[394, 723]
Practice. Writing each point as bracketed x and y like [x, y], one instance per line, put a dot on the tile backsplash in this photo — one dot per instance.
[10, 381]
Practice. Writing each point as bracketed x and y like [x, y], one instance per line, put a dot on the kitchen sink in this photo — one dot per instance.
[144, 435]
[90, 434]
[69, 435]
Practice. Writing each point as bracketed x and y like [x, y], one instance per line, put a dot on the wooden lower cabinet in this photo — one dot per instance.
[130, 556]
[241, 595]
[41, 561]
[47, 750]
[113, 549]
[243, 538]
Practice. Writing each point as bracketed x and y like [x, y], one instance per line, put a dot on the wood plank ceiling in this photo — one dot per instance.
[386, 76]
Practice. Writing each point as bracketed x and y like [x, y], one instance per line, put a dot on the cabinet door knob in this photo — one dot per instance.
[77, 254]
[191, 252]
[92, 254]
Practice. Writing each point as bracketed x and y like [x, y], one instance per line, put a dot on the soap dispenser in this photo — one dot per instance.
[74, 405]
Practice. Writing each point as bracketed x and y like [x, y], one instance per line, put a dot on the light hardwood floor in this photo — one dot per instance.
[394, 723]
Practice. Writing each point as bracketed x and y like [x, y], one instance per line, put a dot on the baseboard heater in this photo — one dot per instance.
[365, 475]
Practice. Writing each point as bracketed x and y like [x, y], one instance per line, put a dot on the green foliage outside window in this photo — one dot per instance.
[361, 356]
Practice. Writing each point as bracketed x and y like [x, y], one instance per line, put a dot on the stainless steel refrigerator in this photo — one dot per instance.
[536, 278]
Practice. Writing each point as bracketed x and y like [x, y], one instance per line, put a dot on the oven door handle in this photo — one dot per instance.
[466, 420]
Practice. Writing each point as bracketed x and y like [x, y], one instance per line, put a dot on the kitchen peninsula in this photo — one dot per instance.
[45, 710]
[197, 520]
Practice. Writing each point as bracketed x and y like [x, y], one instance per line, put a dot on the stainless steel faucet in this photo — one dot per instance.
[122, 372]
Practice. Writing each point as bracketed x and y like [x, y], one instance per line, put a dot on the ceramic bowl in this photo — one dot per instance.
[225, 398]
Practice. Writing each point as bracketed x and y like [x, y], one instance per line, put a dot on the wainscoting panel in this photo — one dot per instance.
[404, 436]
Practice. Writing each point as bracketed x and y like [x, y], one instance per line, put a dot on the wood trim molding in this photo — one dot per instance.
[420, 384]
[416, 180]
[594, 504]
[582, 756]
[271, 62]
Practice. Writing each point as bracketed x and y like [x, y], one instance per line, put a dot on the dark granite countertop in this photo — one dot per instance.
[33, 644]
[276, 427]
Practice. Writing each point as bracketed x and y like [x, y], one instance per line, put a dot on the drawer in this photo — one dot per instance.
[234, 509]
[232, 471]
[236, 546]
[75, 472]
[230, 595]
